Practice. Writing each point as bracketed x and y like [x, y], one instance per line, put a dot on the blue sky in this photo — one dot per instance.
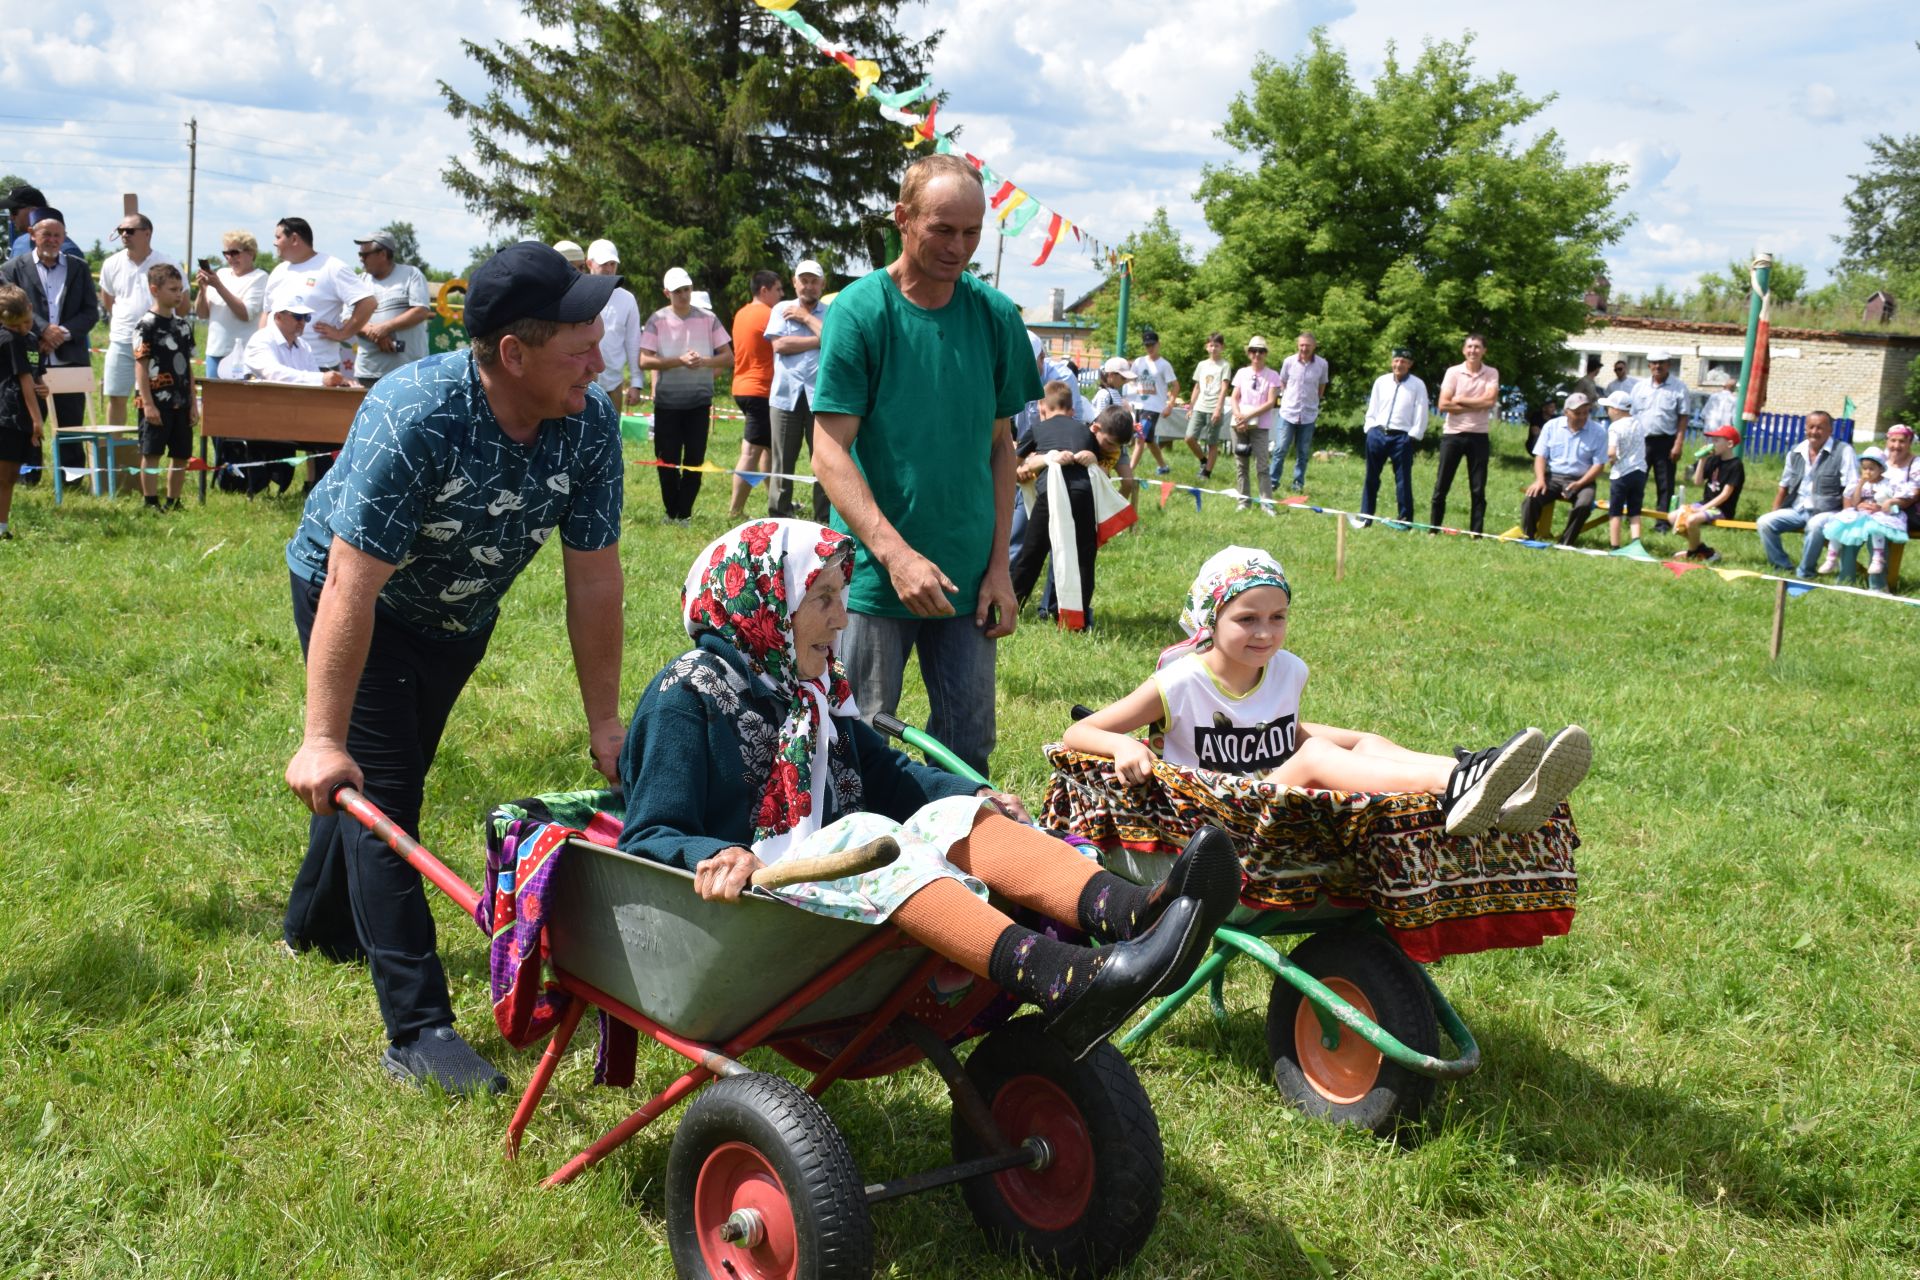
[1740, 123]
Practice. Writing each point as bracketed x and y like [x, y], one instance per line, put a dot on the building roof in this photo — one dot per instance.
[1720, 328]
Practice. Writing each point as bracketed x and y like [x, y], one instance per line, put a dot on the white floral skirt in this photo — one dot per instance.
[874, 895]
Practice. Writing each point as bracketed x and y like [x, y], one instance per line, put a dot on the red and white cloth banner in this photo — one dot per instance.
[1111, 514]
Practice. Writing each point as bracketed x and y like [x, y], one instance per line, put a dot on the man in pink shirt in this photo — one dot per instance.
[1468, 393]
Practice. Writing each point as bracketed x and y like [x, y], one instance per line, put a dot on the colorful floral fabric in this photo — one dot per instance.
[1437, 894]
[1225, 575]
[743, 588]
[524, 842]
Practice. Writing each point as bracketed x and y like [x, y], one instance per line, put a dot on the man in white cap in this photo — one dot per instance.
[686, 344]
[396, 333]
[1567, 460]
[794, 328]
[576, 256]
[275, 352]
[620, 344]
[1660, 404]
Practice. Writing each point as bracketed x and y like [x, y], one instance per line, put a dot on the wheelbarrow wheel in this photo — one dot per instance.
[760, 1186]
[1351, 1082]
[1094, 1204]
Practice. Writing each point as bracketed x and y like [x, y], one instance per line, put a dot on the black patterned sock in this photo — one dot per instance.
[1111, 907]
[1039, 969]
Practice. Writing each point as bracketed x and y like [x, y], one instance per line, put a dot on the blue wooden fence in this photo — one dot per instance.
[1776, 433]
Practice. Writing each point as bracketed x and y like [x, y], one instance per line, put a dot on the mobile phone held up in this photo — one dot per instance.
[210, 265]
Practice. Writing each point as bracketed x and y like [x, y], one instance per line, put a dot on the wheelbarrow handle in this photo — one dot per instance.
[929, 746]
[416, 854]
[853, 861]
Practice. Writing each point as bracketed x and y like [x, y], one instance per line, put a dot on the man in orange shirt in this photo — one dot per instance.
[752, 381]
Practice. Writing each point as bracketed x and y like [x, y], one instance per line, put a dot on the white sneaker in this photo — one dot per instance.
[1562, 767]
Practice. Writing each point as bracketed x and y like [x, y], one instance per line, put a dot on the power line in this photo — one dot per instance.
[322, 191]
[98, 164]
[312, 164]
[116, 137]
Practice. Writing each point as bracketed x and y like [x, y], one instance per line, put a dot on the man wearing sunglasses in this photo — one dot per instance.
[277, 353]
[124, 294]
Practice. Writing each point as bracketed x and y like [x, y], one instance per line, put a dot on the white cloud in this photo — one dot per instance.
[1102, 114]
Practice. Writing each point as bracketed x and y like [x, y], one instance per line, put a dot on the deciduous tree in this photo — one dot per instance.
[1408, 212]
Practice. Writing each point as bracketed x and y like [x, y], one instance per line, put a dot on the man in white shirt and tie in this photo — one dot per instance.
[1397, 410]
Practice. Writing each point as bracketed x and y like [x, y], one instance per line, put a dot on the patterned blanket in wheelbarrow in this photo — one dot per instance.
[524, 842]
[1439, 895]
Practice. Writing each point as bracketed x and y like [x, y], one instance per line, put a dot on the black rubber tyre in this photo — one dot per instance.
[1353, 1084]
[1096, 1203]
[759, 1141]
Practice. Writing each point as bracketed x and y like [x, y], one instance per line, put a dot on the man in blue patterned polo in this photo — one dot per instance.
[457, 470]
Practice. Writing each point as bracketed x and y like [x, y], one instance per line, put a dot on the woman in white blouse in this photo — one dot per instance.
[230, 301]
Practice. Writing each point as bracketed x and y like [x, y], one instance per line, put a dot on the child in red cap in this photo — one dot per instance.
[1721, 475]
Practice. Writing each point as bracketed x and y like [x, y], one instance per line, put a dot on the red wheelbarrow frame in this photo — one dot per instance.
[710, 1061]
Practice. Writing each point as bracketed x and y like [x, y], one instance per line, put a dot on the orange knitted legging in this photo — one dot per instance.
[1033, 869]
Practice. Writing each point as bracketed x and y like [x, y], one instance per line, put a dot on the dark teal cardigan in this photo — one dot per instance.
[700, 748]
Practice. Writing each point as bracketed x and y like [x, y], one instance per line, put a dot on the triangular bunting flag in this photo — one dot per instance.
[1798, 589]
[1166, 491]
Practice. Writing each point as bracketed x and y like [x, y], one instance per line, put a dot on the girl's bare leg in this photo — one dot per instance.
[1323, 763]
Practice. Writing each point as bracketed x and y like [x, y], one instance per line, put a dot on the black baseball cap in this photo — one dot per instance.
[25, 198]
[1148, 335]
[529, 281]
[1403, 353]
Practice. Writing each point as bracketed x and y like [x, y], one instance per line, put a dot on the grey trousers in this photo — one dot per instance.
[791, 429]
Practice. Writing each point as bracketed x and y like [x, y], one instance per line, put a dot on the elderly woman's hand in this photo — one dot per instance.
[1008, 803]
[726, 873]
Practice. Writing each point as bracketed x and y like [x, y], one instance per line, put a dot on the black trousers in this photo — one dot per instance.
[351, 889]
[1581, 500]
[1475, 447]
[680, 438]
[1038, 542]
[1660, 464]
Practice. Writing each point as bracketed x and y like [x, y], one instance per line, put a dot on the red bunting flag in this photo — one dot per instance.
[1004, 194]
[1166, 491]
[1056, 232]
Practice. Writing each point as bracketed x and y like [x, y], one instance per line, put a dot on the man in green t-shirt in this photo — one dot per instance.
[922, 368]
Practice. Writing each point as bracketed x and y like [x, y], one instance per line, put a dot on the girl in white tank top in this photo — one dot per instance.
[1228, 699]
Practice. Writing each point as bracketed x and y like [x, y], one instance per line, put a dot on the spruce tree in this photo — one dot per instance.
[694, 133]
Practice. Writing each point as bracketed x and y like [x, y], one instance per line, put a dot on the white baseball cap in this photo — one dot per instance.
[1117, 364]
[701, 300]
[677, 278]
[808, 267]
[1618, 400]
[569, 250]
[602, 251]
[1659, 355]
[1578, 400]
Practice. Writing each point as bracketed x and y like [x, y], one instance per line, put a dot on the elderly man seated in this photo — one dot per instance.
[1567, 461]
[1813, 487]
[275, 352]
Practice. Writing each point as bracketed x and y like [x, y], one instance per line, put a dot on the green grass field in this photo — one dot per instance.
[1714, 1074]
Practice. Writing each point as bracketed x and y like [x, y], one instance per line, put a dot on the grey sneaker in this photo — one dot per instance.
[438, 1054]
[1562, 768]
[1483, 780]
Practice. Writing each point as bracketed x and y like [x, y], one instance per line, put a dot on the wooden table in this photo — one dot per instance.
[274, 411]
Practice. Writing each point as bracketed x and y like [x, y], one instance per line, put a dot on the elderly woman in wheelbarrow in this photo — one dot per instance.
[748, 749]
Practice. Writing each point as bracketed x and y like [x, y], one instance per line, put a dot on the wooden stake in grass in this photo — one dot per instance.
[1339, 547]
[1779, 618]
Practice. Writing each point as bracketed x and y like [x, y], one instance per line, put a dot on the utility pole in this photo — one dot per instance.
[999, 248]
[193, 159]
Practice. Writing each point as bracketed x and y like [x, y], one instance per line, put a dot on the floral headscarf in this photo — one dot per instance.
[1225, 575]
[743, 588]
